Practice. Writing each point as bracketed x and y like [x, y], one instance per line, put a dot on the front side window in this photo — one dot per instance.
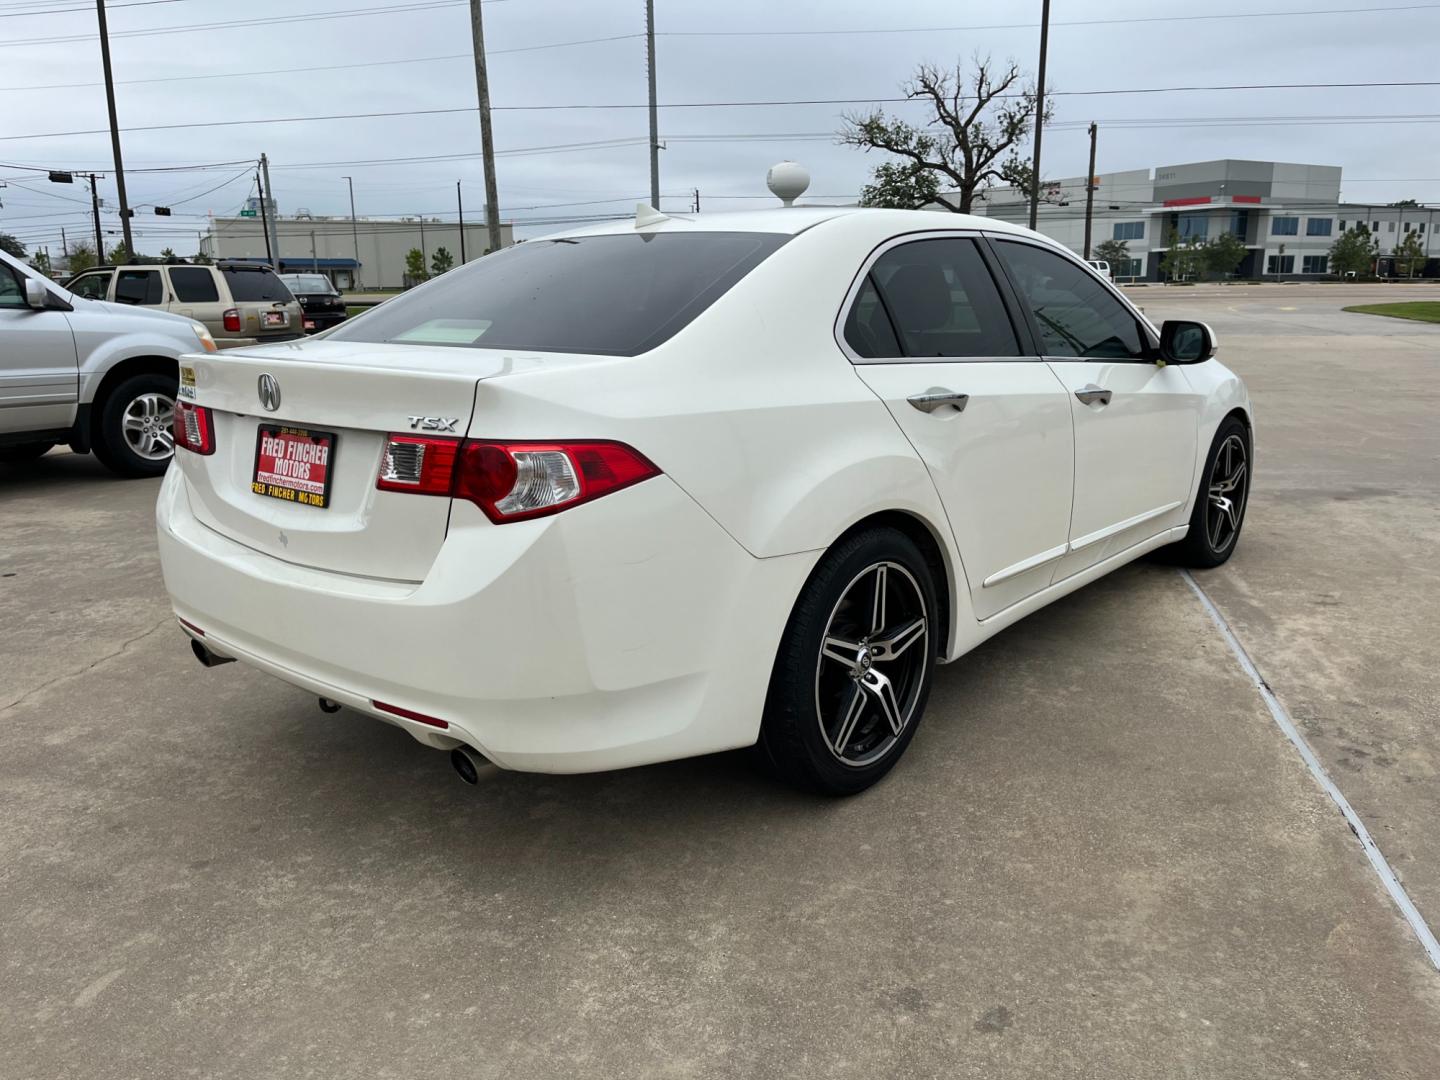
[91, 286]
[617, 294]
[1284, 226]
[138, 287]
[1318, 226]
[1075, 314]
[255, 283]
[194, 285]
[12, 288]
[938, 298]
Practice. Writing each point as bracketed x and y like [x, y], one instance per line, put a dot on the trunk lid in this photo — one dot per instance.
[359, 393]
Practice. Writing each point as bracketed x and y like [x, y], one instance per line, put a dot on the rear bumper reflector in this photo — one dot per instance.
[419, 718]
[189, 626]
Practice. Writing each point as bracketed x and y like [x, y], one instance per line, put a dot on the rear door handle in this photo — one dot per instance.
[937, 397]
[1092, 393]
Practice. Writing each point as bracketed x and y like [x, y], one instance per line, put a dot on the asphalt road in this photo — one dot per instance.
[1100, 858]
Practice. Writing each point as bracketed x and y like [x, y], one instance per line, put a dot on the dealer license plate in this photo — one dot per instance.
[294, 464]
[276, 318]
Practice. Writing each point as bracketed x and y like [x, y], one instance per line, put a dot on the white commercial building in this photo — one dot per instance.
[369, 253]
[1286, 215]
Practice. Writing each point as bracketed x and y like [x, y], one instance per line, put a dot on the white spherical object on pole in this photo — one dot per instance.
[788, 181]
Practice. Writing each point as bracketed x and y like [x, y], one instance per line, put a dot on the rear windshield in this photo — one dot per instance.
[257, 283]
[616, 294]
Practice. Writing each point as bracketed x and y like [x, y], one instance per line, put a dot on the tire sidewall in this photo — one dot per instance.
[110, 444]
[1202, 552]
[790, 731]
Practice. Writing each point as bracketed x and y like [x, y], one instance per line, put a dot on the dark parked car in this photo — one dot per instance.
[323, 304]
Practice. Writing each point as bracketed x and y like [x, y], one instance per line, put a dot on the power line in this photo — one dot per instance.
[7, 14]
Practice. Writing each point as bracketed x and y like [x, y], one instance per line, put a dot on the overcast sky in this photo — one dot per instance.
[737, 51]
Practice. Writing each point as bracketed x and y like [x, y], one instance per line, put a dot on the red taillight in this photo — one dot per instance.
[232, 320]
[511, 481]
[193, 429]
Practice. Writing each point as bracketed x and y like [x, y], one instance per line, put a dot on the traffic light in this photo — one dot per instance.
[62, 178]
[162, 211]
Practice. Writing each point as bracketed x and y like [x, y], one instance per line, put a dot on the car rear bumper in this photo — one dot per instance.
[626, 631]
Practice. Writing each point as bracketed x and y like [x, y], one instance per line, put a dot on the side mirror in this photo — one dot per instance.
[1185, 342]
[36, 295]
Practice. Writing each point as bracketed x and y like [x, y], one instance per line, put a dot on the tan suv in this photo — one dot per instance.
[240, 303]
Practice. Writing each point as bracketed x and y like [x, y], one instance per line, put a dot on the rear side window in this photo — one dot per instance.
[255, 284]
[1074, 313]
[618, 295]
[941, 302]
[194, 285]
[138, 287]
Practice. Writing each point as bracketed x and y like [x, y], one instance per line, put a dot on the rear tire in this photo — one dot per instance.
[853, 671]
[22, 452]
[1220, 504]
[134, 435]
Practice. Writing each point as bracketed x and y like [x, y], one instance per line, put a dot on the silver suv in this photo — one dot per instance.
[96, 375]
[240, 303]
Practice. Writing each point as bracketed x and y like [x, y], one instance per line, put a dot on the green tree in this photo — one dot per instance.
[1224, 254]
[901, 185]
[1114, 252]
[1354, 251]
[441, 261]
[168, 256]
[41, 262]
[1409, 255]
[1184, 258]
[11, 246]
[415, 266]
[119, 256]
[82, 257]
[980, 119]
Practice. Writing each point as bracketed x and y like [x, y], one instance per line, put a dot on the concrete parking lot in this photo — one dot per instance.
[1101, 857]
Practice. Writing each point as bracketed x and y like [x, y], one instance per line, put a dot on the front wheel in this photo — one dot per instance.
[135, 435]
[1220, 503]
[853, 671]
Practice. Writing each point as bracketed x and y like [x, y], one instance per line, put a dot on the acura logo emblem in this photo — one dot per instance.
[269, 389]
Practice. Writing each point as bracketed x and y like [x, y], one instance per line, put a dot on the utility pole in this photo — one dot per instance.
[487, 145]
[114, 132]
[697, 200]
[460, 207]
[1039, 115]
[314, 260]
[95, 206]
[424, 255]
[355, 234]
[64, 245]
[654, 115]
[265, 223]
[1090, 190]
[274, 236]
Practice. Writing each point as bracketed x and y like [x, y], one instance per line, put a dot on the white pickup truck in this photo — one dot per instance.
[99, 376]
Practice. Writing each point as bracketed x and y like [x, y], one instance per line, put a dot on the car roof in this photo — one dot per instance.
[792, 220]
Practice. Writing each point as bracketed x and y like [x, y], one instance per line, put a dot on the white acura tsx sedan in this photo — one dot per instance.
[671, 486]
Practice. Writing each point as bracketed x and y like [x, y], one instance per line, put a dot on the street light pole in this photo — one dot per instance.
[1039, 115]
[460, 208]
[487, 145]
[1090, 191]
[114, 133]
[654, 117]
[355, 233]
[95, 207]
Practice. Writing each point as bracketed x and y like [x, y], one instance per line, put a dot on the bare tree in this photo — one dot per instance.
[979, 119]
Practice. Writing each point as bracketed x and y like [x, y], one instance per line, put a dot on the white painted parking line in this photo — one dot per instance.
[1282, 720]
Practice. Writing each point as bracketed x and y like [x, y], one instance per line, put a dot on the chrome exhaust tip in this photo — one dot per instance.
[206, 657]
[471, 764]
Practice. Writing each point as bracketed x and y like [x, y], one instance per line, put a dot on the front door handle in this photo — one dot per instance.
[1092, 393]
[937, 397]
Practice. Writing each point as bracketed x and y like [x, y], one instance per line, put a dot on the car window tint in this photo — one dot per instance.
[1076, 314]
[255, 284]
[615, 294]
[194, 285]
[12, 288]
[943, 301]
[309, 283]
[138, 287]
[92, 286]
[867, 328]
